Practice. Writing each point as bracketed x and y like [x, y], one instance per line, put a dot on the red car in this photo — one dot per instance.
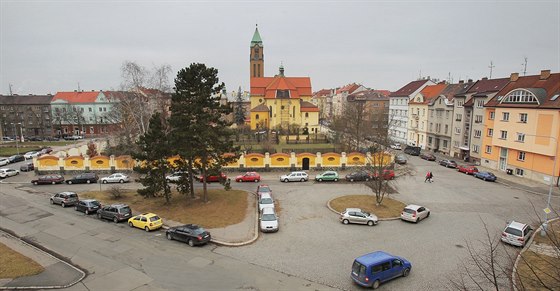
[387, 175]
[48, 179]
[212, 178]
[248, 177]
[262, 189]
[469, 170]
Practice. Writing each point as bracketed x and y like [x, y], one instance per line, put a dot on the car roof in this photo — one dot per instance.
[89, 200]
[374, 257]
[119, 205]
[413, 206]
[67, 192]
[265, 195]
[148, 214]
[517, 225]
[353, 209]
[268, 210]
[329, 172]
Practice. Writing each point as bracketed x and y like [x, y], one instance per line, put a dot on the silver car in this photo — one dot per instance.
[516, 233]
[265, 201]
[294, 177]
[8, 172]
[415, 213]
[356, 215]
[65, 198]
[268, 220]
[4, 161]
[115, 178]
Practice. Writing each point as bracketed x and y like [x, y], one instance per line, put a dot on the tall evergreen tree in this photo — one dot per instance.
[154, 151]
[199, 128]
[239, 114]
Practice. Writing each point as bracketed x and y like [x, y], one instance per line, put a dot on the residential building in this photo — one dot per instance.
[340, 97]
[468, 113]
[27, 115]
[440, 119]
[398, 109]
[418, 114]
[376, 105]
[323, 99]
[522, 127]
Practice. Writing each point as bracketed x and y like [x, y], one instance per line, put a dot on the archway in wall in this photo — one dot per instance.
[305, 164]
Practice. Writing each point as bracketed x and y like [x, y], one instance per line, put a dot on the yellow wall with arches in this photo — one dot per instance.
[100, 162]
[310, 156]
[280, 160]
[254, 160]
[331, 159]
[74, 162]
[356, 159]
[47, 161]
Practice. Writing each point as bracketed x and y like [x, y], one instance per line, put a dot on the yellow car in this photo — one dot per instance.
[146, 221]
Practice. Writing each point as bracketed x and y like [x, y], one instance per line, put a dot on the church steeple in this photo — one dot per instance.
[257, 55]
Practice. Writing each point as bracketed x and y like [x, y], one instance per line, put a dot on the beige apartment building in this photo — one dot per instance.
[418, 114]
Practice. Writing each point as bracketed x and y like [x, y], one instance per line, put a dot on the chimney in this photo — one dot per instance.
[470, 80]
[485, 78]
[545, 74]
[75, 90]
[514, 77]
[461, 81]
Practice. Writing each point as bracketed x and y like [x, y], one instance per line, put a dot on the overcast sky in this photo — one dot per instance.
[50, 46]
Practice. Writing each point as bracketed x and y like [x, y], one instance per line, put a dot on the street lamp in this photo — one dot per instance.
[15, 134]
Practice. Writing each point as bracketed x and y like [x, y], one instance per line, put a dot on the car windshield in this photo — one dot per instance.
[268, 217]
[125, 210]
[513, 231]
[95, 203]
[264, 189]
[199, 230]
[154, 218]
[266, 201]
[409, 211]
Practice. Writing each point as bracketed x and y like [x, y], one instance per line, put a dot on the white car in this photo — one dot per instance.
[30, 155]
[268, 220]
[7, 172]
[415, 213]
[175, 177]
[115, 178]
[396, 146]
[4, 161]
[294, 176]
[265, 201]
[516, 233]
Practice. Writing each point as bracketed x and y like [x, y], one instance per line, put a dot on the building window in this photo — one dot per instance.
[431, 126]
[505, 116]
[477, 133]
[445, 143]
[457, 130]
[520, 96]
[480, 103]
[446, 114]
[429, 140]
[519, 172]
[478, 119]
[460, 103]
[490, 132]
[458, 117]
[476, 148]
[491, 115]
[90, 109]
[521, 156]
[257, 117]
[91, 128]
[100, 110]
[488, 149]
[306, 114]
[503, 134]
[523, 117]
[520, 137]
[446, 128]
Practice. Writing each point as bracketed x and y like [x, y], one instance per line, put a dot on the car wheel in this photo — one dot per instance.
[130, 224]
[367, 179]
[168, 235]
[146, 229]
[104, 181]
[320, 180]
[256, 180]
[35, 183]
[115, 220]
[336, 179]
[121, 181]
[302, 180]
[345, 221]
[99, 215]
[167, 180]
[17, 173]
[63, 205]
[405, 272]
[370, 223]
[428, 215]
[52, 201]
[86, 212]
[416, 221]
[88, 181]
[69, 182]
[351, 179]
[286, 180]
[375, 284]
[190, 242]
[53, 182]
[484, 178]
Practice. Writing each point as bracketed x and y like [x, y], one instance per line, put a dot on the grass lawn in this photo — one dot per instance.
[388, 208]
[10, 148]
[14, 264]
[224, 207]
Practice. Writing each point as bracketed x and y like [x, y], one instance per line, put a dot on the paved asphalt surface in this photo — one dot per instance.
[312, 250]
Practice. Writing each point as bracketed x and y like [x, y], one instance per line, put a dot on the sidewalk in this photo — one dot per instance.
[57, 273]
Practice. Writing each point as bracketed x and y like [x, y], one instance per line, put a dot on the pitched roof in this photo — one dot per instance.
[350, 88]
[268, 86]
[486, 86]
[544, 87]
[383, 92]
[455, 89]
[368, 95]
[77, 97]
[429, 92]
[25, 99]
[308, 107]
[256, 38]
[409, 88]
[260, 108]
[323, 92]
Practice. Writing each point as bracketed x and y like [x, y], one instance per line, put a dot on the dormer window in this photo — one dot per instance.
[520, 96]
[283, 94]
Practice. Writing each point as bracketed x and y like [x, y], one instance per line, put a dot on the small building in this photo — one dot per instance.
[27, 115]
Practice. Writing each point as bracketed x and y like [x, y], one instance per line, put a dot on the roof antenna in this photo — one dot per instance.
[10, 88]
[524, 66]
[78, 86]
[491, 67]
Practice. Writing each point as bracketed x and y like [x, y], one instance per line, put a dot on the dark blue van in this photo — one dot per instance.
[375, 268]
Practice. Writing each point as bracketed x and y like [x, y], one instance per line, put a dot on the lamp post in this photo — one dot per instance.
[547, 209]
[15, 134]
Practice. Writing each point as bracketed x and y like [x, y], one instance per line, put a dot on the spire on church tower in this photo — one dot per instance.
[257, 55]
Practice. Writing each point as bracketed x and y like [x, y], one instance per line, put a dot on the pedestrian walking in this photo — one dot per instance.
[431, 179]
[428, 176]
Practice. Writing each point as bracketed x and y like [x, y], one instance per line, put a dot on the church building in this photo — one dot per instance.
[279, 101]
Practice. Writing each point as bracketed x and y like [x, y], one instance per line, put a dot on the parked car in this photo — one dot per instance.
[115, 178]
[516, 233]
[192, 234]
[7, 138]
[265, 201]
[412, 150]
[48, 179]
[46, 150]
[34, 138]
[428, 157]
[400, 159]
[356, 215]
[249, 177]
[268, 221]
[359, 176]
[30, 155]
[87, 206]
[27, 167]
[212, 178]
[327, 176]
[114, 212]
[263, 189]
[176, 176]
[146, 221]
[486, 176]
[8, 172]
[16, 158]
[448, 163]
[387, 174]
[73, 137]
[4, 161]
[375, 268]
[65, 198]
[415, 213]
[396, 146]
[83, 178]
[294, 177]
[469, 170]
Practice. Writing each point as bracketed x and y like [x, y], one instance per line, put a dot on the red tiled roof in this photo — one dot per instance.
[383, 92]
[308, 107]
[408, 88]
[429, 92]
[322, 92]
[488, 86]
[348, 88]
[76, 97]
[267, 86]
[453, 89]
[544, 89]
[260, 108]
[367, 95]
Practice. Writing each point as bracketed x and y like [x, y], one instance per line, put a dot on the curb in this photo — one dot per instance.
[50, 255]
[380, 219]
[514, 269]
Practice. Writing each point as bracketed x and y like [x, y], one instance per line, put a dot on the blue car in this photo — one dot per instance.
[486, 176]
[375, 268]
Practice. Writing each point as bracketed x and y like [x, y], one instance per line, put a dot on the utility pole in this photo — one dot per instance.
[491, 67]
[524, 67]
[78, 86]
[10, 88]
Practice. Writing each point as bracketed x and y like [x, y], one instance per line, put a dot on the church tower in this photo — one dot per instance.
[257, 55]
